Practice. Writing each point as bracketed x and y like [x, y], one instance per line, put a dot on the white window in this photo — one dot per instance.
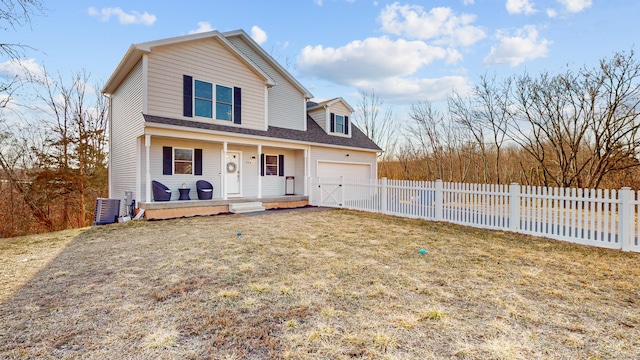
[183, 161]
[271, 165]
[224, 103]
[203, 100]
[339, 124]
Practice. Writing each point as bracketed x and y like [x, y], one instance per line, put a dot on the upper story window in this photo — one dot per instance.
[218, 102]
[339, 124]
[224, 103]
[203, 98]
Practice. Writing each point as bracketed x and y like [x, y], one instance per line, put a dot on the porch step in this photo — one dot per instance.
[245, 207]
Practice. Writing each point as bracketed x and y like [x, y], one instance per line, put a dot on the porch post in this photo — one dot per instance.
[223, 177]
[306, 172]
[259, 159]
[147, 146]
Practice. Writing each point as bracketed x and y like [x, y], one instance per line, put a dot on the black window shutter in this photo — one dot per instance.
[237, 105]
[187, 98]
[167, 160]
[261, 164]
[333, 122]
[346, 125]
[280, 165]
[198, 162]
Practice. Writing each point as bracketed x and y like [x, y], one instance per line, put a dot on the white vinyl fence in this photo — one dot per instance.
[604, 218]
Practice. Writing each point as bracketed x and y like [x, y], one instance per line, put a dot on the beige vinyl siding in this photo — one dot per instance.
[340, 109]
[320, 117]
[127, 125]
[340, 155]
[211, 156]
[206, 60]
[286, 103]
[274, 185]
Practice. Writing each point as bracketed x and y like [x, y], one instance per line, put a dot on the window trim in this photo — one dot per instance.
[277, 165]
[333, 125]
[214, 101]
[173, 161]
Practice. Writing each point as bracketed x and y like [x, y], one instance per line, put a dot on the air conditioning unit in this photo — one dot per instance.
[107, 211]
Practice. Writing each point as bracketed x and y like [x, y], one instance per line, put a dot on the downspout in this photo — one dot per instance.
[109, 172]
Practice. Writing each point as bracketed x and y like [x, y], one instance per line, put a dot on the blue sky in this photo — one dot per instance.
[407, 51]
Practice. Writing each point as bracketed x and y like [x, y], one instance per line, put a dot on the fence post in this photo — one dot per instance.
[383, 196]
[625, 218]
[514, 207]
[439, 199]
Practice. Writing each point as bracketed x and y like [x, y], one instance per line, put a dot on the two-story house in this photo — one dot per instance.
[215, 106]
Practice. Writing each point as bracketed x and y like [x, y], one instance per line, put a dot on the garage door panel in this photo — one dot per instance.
[336, 170]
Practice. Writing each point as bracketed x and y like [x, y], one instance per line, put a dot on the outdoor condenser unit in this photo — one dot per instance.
[107, 211]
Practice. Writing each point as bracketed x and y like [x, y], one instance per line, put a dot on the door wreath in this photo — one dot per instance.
[231, 167]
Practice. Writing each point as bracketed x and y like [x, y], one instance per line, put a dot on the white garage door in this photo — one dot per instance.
[328, 169]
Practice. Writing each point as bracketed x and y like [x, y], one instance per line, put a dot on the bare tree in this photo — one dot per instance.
[377, 121]
[580, 126]
[485, 114]
[426, 131]
[15, 14]
[73, 168]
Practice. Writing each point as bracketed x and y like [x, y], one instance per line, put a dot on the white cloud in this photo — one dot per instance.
[522, 46]
[575, 6]
[552, 13]
[520, 7]
[468, 2]
[21, 69]
[133, 17]
[258, 35]
[412, 90]
[373, 58]
[318, 2]
[203, 26]
[439, 24]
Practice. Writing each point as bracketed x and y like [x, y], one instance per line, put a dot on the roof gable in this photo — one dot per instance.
[329, 103]
[136, 51]
[268, 58]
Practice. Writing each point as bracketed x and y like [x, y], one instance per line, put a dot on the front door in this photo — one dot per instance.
[232, 171]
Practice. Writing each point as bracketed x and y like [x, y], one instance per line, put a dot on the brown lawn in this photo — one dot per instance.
[313, 285]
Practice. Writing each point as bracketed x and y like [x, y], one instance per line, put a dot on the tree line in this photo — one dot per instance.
[576, 128]
[53, 140]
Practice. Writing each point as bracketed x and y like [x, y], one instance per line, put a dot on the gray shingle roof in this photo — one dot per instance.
[314, 133]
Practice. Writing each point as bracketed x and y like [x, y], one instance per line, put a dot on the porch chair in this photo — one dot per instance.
[160, 192]
[205, 190]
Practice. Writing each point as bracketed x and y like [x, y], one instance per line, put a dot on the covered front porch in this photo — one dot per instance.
[186, 208]
[237, 168]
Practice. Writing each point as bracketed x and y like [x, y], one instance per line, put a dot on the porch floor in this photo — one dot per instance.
[184, 208]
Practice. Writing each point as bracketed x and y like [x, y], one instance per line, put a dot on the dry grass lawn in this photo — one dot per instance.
[313, 285]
